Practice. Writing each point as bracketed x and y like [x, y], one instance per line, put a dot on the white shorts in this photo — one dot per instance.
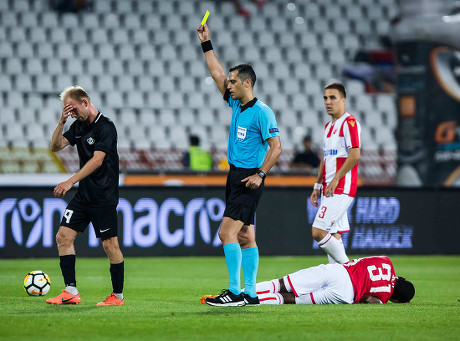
[323, 284]
[332, 214]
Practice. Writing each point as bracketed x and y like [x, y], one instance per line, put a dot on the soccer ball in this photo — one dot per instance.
[37, 283]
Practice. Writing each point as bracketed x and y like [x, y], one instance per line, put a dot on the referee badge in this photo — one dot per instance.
[241, 134]
[90, 141]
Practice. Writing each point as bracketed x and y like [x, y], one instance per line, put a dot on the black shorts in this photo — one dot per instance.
[240, 201]
[77, 216]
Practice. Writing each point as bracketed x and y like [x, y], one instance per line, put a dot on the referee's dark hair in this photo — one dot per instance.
[245, 71]
[337, 86]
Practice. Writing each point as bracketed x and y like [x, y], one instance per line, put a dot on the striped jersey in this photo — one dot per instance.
[372, 276]
[339, 137]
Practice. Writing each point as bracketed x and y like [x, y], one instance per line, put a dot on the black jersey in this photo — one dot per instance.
[100, 188]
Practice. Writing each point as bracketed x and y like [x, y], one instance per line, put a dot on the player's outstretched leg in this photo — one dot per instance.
[272, 298]
[268, 287]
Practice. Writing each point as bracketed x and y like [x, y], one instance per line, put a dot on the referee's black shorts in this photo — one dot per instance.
[78, 215]
[240, 201]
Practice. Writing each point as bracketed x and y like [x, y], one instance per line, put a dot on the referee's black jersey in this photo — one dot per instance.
[100, 188]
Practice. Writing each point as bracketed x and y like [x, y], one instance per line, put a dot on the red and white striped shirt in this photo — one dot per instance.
[339, 138]
[372, 276]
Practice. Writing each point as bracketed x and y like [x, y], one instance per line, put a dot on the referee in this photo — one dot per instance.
[253, 129]
[96, 199]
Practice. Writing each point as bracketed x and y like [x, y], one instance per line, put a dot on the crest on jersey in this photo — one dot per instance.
[241, 133]
[352, 122]
[90, 141]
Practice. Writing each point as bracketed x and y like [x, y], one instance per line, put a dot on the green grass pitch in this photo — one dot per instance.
[163, 302]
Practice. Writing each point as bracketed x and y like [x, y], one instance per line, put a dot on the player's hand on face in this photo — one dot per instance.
[66, 112]
[203, 32]
[314, 197]
[61, 189]
[253, 181]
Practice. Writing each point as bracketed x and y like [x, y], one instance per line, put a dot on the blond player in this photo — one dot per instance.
[337, 174]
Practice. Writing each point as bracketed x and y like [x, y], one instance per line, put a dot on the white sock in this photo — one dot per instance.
[334, 248]
[332, 260]
[268, 287]
[72, 290]
[273, 298]
[120, 296]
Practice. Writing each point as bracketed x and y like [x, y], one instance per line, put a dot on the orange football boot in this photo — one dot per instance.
[203, 298]
[65, 297]
[112, 300]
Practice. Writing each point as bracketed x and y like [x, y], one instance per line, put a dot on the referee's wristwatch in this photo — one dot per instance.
[262, 174]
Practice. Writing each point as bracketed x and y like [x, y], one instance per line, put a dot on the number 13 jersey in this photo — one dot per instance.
[373, 276]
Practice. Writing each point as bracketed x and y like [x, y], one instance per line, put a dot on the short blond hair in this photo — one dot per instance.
[75, 92]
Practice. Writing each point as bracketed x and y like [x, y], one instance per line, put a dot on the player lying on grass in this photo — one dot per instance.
[364, 280]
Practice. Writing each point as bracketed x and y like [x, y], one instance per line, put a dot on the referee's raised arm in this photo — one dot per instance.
[214, 66]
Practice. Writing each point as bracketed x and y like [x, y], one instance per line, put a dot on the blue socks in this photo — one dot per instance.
[250, 265]
[233, 256]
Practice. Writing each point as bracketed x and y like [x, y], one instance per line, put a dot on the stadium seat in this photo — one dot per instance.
[6, 83]
[175, 100]
[62, 81]
[33, 66]
[24, 50]
[145, 83]
[118, 36]
[147, 117]
[135, 100]
[147, 52]
[6, 49]
[194, 100]
[114, 99]
[90, 21]
[68, 20]
[251, 54]
[77, 36]
[135, 67]
[144, 6]
[113, 67]
[98, 36]
[167, 117]
[64, 50]
[48, 19]
[44, 50]
[13, 66]
[154, 100]
[140, 36]
[131, 21]
[176, 68]
[44, 83]
[102, 6]
[74, 66]
[22, 83]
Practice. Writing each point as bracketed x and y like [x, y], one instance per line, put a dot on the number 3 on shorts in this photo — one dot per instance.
[68, 215]
[323, 212]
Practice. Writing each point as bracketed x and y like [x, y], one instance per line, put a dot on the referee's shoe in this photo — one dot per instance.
[250, 301]
[226, 299]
